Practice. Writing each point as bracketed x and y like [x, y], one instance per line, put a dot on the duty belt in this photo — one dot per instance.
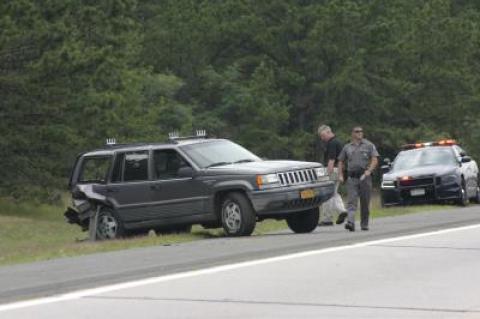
[356, 174]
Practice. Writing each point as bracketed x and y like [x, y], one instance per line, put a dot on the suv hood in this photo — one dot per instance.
[421, 171]
[263, 167]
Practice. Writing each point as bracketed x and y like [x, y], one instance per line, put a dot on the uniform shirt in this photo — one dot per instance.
[358, 156]
[333, 149]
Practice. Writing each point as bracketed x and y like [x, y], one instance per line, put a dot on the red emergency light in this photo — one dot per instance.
[447, 142]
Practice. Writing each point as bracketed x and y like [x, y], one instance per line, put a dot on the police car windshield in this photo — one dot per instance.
[218, 153]
[424, 157]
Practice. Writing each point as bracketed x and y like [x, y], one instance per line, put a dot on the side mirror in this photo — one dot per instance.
[466, 159]
[385, 168]
[185, 172]
[388, 165]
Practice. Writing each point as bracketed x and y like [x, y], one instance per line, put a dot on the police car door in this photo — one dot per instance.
[469, 171]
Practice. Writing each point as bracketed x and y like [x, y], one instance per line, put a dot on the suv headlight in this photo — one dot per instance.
[267, 181]
[388, 184]
[322, 174]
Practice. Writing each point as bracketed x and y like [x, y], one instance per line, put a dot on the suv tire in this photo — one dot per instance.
[237, 215]
[109, 225]
[304, 222]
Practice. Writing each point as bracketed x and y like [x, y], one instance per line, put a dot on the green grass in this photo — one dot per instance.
[377, 211]
[31, 232]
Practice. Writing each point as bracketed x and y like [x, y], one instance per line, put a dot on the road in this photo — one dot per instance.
[328, 273]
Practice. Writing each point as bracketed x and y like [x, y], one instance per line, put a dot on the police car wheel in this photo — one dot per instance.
[109, 225]
[382, 202]
[303, 222]
[476, 199]
[463, 200]
[237, 215]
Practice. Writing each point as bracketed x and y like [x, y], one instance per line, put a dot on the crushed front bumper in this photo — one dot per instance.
[80, 214]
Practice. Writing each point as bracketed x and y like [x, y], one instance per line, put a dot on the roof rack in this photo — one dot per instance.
[111, 141]
[174, 136]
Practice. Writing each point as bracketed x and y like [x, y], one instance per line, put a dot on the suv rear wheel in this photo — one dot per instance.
[109, 225]
[303, 222]
[238, 217]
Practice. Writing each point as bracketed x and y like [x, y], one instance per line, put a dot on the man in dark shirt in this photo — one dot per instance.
[335, 204]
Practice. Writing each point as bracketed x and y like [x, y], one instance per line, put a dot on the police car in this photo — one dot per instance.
[430, 172]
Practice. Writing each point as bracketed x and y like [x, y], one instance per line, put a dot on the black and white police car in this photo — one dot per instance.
[430, 172]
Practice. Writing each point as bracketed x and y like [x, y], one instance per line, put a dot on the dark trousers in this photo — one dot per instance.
[359, 189]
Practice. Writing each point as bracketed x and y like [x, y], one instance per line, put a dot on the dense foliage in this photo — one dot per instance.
[264, 73]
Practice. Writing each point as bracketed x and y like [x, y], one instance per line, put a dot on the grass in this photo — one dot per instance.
[378, 211]
[32, 232]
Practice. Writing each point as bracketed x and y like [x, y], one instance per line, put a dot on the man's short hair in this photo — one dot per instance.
[323, 128]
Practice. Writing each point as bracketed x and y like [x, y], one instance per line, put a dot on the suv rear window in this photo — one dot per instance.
[136, 166]
[95, 169]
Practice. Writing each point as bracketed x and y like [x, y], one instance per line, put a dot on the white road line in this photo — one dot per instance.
[95, 291]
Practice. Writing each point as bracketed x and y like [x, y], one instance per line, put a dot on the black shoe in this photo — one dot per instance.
[350, 226]
[365, 228]
[341, 217]
[325, 224]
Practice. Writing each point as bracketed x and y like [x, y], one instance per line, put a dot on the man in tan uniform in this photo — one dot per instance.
[361, 157]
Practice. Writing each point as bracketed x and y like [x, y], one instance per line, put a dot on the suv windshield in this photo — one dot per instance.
[218, 153]
[424, 157]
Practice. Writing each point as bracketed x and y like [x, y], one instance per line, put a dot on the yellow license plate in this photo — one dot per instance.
[307, 193]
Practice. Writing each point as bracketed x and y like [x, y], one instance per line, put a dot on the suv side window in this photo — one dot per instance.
[95, 169]
[135, 166]
[166, 164]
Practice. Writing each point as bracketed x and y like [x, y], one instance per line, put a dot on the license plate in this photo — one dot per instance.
[417, 192]
[307, 193]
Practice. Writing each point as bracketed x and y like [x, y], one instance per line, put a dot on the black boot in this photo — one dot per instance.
[350, 226]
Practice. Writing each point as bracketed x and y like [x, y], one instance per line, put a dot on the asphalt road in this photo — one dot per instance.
[333, 282]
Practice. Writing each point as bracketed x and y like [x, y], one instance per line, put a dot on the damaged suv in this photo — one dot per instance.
[192, 180]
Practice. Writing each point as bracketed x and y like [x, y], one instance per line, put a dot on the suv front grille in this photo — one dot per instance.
[303, 176]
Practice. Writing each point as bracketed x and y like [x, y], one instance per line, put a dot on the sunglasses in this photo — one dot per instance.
[358, 131]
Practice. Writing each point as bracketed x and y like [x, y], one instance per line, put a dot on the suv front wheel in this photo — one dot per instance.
[238, 217]
[303, 222]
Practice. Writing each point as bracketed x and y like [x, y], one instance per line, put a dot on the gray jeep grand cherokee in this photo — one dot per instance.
[195, 180]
